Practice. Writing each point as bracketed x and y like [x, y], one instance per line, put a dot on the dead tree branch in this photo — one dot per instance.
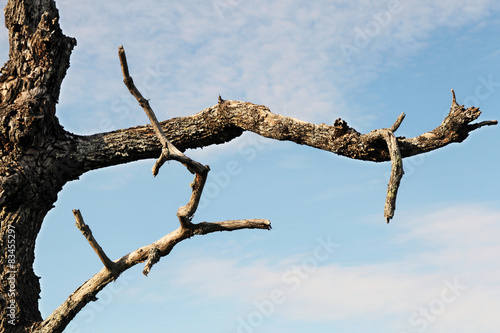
[87, 292]
[227, 120]
[396, 165]
[85, 229]
[169, 151]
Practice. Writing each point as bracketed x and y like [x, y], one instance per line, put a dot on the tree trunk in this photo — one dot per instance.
[30, 171]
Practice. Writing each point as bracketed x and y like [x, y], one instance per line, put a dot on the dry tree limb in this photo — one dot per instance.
[85, 229]
[222, 123]
[228, 119]
[396, 165]
[230, 225]
[87, 292]
[186, 213]
[169, 151]
[396, 175]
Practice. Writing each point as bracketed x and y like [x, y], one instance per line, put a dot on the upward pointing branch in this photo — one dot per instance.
[110, 265]
[169, 151]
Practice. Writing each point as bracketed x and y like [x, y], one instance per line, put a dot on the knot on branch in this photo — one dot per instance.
[153, 258]
[339, 128]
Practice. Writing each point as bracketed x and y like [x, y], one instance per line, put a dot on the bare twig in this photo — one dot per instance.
[207, 227]
[186, 213]
[454, 99]
[80, 224]
[162, 247]
[483, 123]
[398, 122]
[169, 151]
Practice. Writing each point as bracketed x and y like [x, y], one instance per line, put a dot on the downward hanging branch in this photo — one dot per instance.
[396, 165]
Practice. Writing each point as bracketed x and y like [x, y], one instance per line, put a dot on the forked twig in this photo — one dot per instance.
[169, 151]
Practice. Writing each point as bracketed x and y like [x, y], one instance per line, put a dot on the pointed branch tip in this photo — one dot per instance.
[397, 123]
[454, 100]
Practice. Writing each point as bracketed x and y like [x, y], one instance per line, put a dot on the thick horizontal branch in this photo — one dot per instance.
[107, 149]
[228, 119]
[86, 293]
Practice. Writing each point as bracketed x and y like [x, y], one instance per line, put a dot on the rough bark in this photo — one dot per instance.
[30, 135]
[228, 119]
[37, 157]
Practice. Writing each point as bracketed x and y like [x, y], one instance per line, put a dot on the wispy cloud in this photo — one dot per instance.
[450, 269]
[286, 55]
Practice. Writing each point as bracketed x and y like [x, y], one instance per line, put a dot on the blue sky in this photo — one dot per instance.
[330, 263]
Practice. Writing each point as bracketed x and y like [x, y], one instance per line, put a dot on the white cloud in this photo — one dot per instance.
[450, 270]
[286, 55]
